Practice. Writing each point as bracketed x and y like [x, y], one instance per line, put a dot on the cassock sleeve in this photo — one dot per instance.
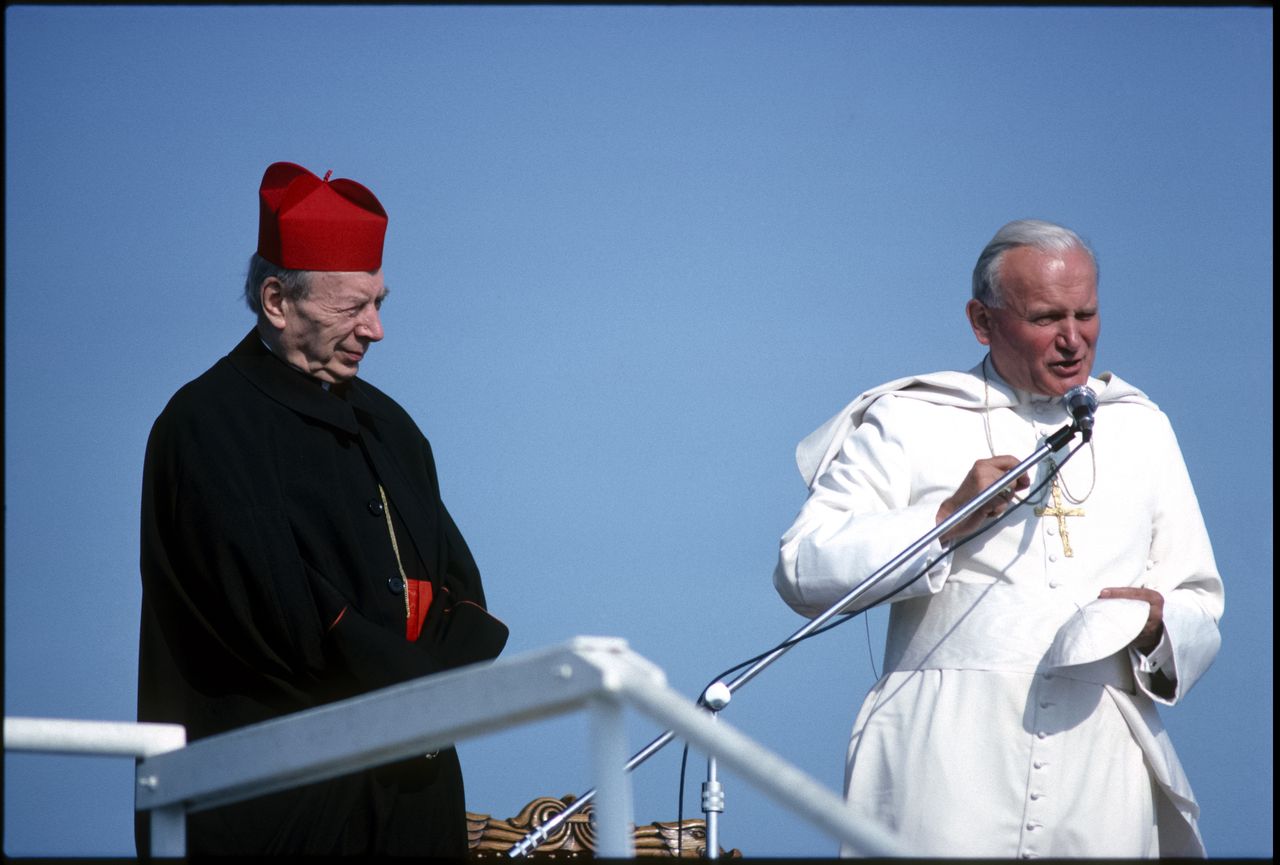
[1181, 567]
[458, 630]
[860, 513]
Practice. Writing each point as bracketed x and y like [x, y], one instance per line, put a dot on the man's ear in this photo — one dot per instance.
[271, 296]
[979, 320]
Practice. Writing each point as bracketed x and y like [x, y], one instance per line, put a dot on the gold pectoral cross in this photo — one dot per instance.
[1061, 513]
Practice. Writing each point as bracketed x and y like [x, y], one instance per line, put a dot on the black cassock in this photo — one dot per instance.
[262, 526]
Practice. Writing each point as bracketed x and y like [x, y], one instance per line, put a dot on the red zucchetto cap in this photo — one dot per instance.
[306, 223]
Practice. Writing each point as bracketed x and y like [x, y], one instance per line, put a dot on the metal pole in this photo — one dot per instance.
[526, 845]
[714, 698]
[168, 832]
[1050, 444]
[712, 807]
[609, 754]
[107, 738]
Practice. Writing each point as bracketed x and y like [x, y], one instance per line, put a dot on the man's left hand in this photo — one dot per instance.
[1149, 637]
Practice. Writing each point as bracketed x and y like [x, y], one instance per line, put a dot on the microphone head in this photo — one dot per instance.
[1081, 402]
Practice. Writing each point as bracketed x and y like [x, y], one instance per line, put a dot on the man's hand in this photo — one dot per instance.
[983, 474]
[1149, 637]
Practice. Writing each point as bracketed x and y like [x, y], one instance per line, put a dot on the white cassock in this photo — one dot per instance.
[1012, 719]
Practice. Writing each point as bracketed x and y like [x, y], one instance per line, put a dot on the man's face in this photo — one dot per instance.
[327, 333]
[1044, 336]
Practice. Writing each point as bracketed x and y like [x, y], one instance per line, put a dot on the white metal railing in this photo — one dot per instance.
[597, 674]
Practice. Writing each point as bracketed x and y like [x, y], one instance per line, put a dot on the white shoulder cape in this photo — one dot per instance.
[949, 387]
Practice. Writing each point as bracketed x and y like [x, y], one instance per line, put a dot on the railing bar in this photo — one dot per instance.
[598, 674]
[103, 738]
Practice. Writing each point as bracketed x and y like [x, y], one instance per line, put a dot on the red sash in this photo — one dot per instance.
[418, 595]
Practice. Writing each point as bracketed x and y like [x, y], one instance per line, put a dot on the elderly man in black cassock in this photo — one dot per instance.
[295, 548]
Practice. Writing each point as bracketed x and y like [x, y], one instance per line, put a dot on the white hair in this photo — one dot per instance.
[1045, 236]
[295, 283]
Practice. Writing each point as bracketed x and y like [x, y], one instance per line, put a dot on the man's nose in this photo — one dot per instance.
[370, 326]
[1069, 333]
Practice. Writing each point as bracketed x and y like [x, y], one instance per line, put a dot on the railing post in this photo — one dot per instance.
[614, 810]
[168, 832]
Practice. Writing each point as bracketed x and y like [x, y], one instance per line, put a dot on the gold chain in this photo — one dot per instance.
[391, 530]
[1093, 480]
[986, 422]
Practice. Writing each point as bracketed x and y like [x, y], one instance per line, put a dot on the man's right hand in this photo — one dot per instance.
[983, 474]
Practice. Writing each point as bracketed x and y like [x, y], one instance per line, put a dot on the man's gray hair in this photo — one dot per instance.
[295, 283]
[1044, 236]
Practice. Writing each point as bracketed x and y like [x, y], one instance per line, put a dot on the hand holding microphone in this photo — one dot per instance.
[984, 473]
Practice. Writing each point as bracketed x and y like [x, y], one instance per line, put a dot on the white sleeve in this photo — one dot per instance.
[1181, 567]
[859, 514]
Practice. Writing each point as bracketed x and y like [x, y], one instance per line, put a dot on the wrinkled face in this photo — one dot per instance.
[327, 333]
[1044, 337]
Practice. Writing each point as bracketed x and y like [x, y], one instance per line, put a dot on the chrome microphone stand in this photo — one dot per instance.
[719, 692]
[715, 698]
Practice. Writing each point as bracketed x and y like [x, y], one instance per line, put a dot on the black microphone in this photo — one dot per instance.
[1082, 402]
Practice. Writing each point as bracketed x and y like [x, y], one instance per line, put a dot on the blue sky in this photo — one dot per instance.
[636, 254]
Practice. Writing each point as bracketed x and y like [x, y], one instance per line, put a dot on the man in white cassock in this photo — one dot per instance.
[1016, 716]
